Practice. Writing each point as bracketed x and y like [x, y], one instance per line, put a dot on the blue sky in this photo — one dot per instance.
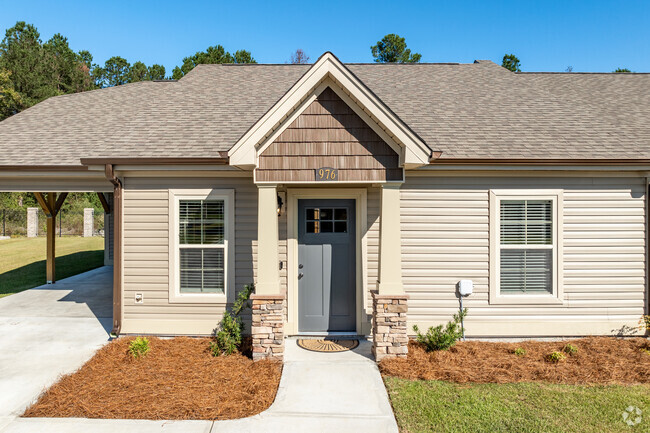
[591, 36]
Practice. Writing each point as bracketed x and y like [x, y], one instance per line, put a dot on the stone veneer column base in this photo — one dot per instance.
[268, 326]
[389, 336]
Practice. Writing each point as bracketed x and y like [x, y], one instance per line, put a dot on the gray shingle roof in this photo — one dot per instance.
[478, 111]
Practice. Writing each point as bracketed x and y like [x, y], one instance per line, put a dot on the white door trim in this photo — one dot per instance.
[360, 195]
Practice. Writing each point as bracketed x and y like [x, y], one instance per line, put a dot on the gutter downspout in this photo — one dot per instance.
[117, 248]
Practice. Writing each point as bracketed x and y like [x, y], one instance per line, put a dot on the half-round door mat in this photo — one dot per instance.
[328, 345]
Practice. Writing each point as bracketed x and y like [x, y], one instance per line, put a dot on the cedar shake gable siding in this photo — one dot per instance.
[328, 134]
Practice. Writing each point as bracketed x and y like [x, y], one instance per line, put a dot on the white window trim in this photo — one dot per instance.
[228, 196]
[557, 198]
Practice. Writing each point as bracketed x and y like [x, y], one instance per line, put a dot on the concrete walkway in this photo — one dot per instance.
[319, 392]
[324, 392]
[49, 331]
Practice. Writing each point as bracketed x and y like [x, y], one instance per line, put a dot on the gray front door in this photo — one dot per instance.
[326, 265]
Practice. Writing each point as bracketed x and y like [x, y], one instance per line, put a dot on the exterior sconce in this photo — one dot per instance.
[281, 196]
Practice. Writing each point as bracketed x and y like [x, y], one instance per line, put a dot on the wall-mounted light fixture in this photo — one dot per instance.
[281, 200]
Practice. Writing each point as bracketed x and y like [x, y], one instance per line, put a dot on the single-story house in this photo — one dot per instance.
[357, 196]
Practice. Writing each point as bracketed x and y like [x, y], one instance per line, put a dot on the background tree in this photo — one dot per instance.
[10, 101]
[38, 71]
[511, 63]
[622, 71]
[392, 49]
[299, 57]
[21, 54]
[156, 72]
[116, 71]
[138, 72]
[569, 69]
[213, 55]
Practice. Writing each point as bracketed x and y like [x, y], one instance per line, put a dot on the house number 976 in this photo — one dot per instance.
[327, 174]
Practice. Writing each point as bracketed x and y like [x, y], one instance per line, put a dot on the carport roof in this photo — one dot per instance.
[478, 111]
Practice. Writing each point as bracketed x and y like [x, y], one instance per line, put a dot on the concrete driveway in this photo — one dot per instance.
[49, 331]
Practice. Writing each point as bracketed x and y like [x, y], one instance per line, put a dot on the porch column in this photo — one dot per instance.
[389, 302]
[390, 242]
[268, 258]
[267, 329]
[51, 236]
[51, 204]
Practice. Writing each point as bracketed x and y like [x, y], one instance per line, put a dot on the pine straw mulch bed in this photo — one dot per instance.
[599, 360]
[177, 379]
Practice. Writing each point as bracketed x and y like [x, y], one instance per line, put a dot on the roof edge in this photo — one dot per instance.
[550, 161]
[221, 160]
[43, 168]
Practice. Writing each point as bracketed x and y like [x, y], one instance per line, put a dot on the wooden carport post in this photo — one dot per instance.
[51, 206]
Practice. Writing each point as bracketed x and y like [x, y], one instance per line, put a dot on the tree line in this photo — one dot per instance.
[32, 70]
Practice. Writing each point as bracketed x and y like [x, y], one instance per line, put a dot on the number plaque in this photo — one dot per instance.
[327, 174]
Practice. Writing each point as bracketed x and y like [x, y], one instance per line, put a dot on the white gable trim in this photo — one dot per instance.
[412, 150]
[266, 142]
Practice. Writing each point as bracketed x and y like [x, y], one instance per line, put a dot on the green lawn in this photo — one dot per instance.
[433, 406]
[22, 263]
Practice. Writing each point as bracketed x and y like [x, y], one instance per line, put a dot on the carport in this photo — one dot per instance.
[51, 185]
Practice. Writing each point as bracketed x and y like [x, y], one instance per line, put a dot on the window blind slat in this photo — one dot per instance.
[526, 271]
[526, 222]
[201, 222]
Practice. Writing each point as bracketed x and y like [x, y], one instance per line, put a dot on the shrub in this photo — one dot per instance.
[440, 338]
[139, 347]
[228, 335]
[570, 349]
[645, 323]
[555, 357]
[519, 351]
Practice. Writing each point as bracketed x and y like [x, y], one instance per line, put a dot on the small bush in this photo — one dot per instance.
[228, 335]
[645, 323]
[570, 349]
[519, 351]
[555, 357]
[440, 338]
[139, 347]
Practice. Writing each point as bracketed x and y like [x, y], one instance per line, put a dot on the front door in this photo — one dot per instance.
[326, 266]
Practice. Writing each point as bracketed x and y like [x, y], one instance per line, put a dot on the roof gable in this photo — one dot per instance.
[328, 133]
[328, 71]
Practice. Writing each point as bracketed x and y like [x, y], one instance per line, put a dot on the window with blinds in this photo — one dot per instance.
[526, 247]
[201, 246]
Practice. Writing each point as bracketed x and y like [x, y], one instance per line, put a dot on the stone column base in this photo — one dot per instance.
[389, 336]
[268, 326]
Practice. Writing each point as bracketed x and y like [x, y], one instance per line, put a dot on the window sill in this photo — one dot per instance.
[525, 300]
[197, 298]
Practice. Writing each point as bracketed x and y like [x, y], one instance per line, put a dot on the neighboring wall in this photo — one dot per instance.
[445, 238]
[146, 254]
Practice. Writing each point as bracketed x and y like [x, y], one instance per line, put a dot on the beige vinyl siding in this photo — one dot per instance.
[372, 258]
[146, 254]
[445, 238]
